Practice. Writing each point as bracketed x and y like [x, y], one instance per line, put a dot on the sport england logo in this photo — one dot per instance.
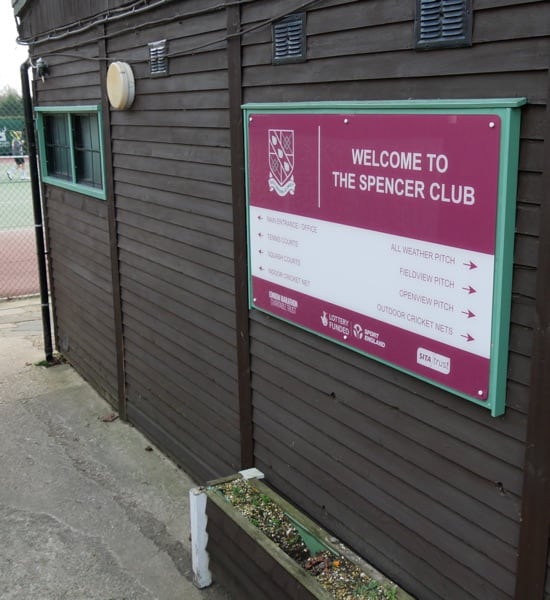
[358, 331]
[281, 161]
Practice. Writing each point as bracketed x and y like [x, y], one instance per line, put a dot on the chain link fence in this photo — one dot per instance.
[18, 263]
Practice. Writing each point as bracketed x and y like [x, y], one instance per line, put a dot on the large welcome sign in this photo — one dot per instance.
[389, 229]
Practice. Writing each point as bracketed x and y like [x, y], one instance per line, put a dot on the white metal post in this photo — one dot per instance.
[199, 556]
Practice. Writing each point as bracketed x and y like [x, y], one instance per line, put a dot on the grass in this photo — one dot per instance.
[57, 359]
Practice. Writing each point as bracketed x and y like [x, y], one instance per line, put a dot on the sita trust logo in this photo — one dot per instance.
[281, 161]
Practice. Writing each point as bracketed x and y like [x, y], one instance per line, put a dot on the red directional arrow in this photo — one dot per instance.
[470, 289]
[468, 337]
[468, 313]
[471, 265]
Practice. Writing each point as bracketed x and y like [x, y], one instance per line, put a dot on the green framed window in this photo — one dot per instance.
[71, 148]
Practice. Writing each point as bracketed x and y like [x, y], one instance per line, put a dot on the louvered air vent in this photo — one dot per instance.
[289, 39]
[158, 60]
[443, 23]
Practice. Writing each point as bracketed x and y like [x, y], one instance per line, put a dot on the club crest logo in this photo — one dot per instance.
[281, 161]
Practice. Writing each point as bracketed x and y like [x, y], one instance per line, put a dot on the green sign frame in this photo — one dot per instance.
[508, 110]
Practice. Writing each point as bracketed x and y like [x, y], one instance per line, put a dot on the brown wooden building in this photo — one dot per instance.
[146, 231]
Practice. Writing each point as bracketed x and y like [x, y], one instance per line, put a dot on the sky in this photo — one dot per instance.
[12, 55]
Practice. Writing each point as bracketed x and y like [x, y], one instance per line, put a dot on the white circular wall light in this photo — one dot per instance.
[121, 87]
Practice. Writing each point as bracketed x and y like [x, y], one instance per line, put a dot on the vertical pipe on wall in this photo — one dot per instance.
[239, 233]
[112, 225]
[535, 514]
[37, 209]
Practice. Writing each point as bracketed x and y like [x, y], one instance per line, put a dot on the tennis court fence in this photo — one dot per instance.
[18, 262]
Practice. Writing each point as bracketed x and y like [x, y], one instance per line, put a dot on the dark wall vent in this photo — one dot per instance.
[443, 24]
[158, 59]
[289, 39]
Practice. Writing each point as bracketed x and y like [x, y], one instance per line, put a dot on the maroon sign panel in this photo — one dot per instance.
[378, 231]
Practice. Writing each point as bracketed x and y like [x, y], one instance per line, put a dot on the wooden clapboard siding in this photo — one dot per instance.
[171, 162]
[77, 226]
[390, 463]
[73, 77]
[81, 289]
[532, 85]
[39, 17]
[307, 439]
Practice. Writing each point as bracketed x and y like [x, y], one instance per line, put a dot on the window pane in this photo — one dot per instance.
[57, 146]
[87, 150]
[71, 149]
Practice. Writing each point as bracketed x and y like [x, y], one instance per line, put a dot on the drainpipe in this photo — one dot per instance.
[37, 209]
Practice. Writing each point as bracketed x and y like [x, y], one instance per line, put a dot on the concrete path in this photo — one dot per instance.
[89, 510]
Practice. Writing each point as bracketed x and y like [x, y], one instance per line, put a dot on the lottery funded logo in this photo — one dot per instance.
[281, 161]
[336, 323]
